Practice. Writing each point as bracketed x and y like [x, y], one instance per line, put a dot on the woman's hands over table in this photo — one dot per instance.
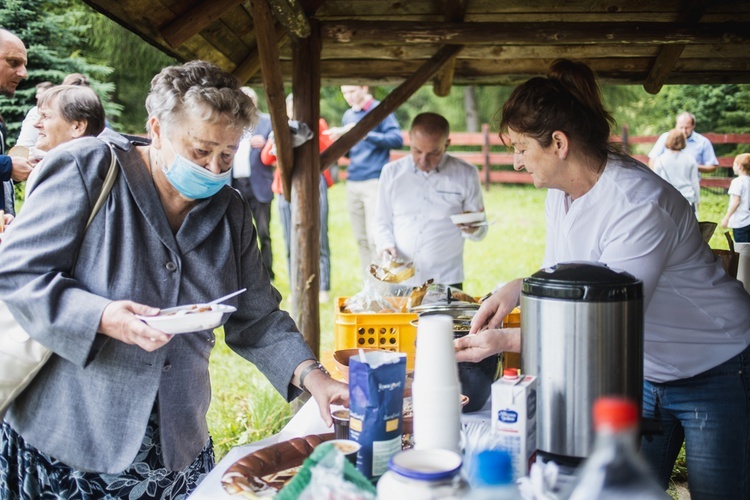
[473, 348]
[487, 337]
[327, 392]
[496, 307]
[119, 322]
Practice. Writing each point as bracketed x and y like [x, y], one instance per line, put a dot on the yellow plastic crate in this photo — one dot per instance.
[391, 331]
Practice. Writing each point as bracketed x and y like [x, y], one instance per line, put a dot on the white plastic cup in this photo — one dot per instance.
[437, 417]
[435, 353]
[436, 388]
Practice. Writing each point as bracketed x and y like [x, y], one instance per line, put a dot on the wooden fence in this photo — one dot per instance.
[496, 164]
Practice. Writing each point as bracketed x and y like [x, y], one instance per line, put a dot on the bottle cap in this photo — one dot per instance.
[615, 413]
[510, 373]
[492, 468]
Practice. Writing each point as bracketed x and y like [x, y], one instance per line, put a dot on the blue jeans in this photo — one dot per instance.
[711, 413]
[741, 234]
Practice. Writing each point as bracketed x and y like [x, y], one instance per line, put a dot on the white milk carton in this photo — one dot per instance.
[514, 418]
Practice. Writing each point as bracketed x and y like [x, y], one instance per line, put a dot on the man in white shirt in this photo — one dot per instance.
[697, 145]
[417, 195]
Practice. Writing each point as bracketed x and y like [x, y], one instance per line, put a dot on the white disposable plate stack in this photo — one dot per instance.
[436, 388]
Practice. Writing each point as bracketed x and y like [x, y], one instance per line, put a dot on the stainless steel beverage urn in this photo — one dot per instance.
[582, 336]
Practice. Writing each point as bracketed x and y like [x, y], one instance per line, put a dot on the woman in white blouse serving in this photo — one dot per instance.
[605, 206]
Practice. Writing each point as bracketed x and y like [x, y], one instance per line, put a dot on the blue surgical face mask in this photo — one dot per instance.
[193, 181]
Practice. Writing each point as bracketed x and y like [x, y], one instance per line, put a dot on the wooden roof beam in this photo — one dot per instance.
[396, 98]
[292, 16]
[455, 10]
[668, 55]
[443, 81]
[274, 87]
[197, 18]
[542, 33]
[663, 66]
[251, 64]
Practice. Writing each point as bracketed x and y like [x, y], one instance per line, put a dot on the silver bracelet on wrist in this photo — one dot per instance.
[315, 366]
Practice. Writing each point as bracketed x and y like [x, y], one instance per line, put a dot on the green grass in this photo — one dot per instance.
[246, 408]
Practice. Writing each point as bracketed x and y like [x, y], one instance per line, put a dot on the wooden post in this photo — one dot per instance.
[273, 84]
[470, 107]
[305, 230]
[486, 151]
[625, 145]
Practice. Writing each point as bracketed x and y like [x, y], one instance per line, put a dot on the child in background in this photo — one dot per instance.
[738, 213]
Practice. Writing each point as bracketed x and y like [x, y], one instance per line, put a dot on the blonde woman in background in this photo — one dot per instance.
[679, 168]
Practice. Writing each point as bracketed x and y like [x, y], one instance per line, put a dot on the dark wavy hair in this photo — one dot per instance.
[567, 99]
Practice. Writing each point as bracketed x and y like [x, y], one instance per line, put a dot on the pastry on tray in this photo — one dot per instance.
[264, 472]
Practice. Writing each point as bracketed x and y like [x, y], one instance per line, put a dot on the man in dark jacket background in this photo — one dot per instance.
[253, 178]
[12, 70]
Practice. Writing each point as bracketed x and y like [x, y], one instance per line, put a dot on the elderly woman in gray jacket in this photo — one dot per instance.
[119, 410]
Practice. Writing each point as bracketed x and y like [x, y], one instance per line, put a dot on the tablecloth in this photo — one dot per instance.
[306, 421]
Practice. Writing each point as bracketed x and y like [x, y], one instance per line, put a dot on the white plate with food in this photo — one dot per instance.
[468, 218]
[190, 318]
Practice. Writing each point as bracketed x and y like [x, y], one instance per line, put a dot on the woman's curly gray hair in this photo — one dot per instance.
[200, 87]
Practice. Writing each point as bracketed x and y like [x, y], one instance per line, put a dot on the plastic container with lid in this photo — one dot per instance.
[422, 475]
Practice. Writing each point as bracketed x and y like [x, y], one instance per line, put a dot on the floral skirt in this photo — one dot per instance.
[27, 473]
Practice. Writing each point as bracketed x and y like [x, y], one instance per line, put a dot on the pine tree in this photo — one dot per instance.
[54, 34]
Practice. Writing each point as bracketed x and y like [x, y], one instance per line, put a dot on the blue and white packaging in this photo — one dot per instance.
[376, 399]
[514, 419]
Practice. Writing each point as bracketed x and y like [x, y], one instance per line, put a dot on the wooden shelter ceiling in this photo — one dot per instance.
[378, 42]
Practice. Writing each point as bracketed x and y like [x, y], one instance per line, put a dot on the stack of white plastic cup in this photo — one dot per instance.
[436, 388]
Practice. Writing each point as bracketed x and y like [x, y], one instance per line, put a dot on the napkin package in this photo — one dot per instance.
[376, 398]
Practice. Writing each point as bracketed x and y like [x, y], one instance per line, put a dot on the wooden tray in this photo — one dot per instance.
[264, 472]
